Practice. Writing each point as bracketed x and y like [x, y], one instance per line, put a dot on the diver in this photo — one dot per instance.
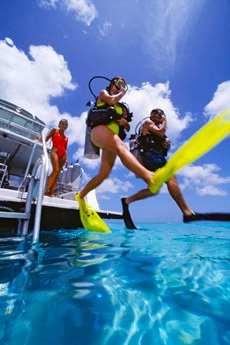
[106, 136]
[154, 145]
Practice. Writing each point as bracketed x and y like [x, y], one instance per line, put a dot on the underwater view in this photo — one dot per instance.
[163, 284]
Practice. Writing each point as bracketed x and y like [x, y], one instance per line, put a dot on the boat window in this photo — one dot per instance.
[20, 124]
[5, 114]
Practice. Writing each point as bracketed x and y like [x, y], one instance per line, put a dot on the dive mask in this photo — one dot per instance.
[120, 83]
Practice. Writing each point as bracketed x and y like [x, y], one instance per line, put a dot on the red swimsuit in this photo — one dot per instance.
[60, 143]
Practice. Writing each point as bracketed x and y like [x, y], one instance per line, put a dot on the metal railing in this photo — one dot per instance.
[43, 163]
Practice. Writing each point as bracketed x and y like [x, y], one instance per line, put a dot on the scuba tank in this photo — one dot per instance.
[135, 148]
[91, 151]
[69, 173]
[76, 172]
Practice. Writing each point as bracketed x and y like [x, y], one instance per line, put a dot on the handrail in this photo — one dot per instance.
[41, 190]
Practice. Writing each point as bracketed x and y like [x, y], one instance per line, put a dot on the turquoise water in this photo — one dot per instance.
[164, 284]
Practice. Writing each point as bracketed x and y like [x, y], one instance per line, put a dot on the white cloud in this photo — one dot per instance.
[211, 190]
[114, 186]
[167, 23]
[84, 10]
[48, 3]
[204, 179]
[32, 80]
[105, 28]
[220, 101]
[143, 99]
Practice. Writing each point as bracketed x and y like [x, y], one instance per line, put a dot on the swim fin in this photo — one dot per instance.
[201, 142]
[126, 215]
[225, 217]
[89, 217]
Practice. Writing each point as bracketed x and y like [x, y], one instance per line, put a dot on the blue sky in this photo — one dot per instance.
[173, 54]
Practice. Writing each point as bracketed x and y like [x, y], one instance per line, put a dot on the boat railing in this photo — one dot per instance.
[44, 168]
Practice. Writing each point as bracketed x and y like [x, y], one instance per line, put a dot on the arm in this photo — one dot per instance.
[158, 129]
[50, 134]
[66, 161]
[111, 99]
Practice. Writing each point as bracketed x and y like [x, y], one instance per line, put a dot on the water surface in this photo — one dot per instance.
[163, 284]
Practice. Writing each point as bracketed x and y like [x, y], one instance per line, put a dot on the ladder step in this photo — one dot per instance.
[13, 215]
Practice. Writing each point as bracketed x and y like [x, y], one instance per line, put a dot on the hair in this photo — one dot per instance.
[62, 120]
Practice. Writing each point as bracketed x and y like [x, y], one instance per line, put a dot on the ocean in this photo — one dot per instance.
[162, 284]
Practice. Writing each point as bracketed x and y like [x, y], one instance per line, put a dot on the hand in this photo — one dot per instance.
[123, 91]
[122, 121]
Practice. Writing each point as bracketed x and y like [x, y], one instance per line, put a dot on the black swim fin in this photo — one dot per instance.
[126, 214]
[225, 217]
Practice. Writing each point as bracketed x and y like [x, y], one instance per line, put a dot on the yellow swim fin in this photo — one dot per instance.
[89, 218]
[201, 142]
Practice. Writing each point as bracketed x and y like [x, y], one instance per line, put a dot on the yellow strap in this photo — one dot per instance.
[201, 142]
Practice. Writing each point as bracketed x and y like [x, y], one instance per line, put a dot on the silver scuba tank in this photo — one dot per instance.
[91, 151]
[134, 148]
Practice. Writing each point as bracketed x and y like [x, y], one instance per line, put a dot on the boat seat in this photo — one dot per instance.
[4, 157]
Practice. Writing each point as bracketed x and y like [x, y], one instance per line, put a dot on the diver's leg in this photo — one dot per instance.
[175, 192]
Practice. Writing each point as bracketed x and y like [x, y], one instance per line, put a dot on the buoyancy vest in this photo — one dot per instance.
[152, 141]
[104, 114]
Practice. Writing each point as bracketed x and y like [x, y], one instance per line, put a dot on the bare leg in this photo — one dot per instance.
[112, 146]
[175, 192]
[142, 194]
[107, 162]
[55, 172]
[61, 162]
[104, 137]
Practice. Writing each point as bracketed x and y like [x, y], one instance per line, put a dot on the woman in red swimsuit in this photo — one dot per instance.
[58, 154]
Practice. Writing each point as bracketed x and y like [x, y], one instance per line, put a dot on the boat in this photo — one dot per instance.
[24, 168]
